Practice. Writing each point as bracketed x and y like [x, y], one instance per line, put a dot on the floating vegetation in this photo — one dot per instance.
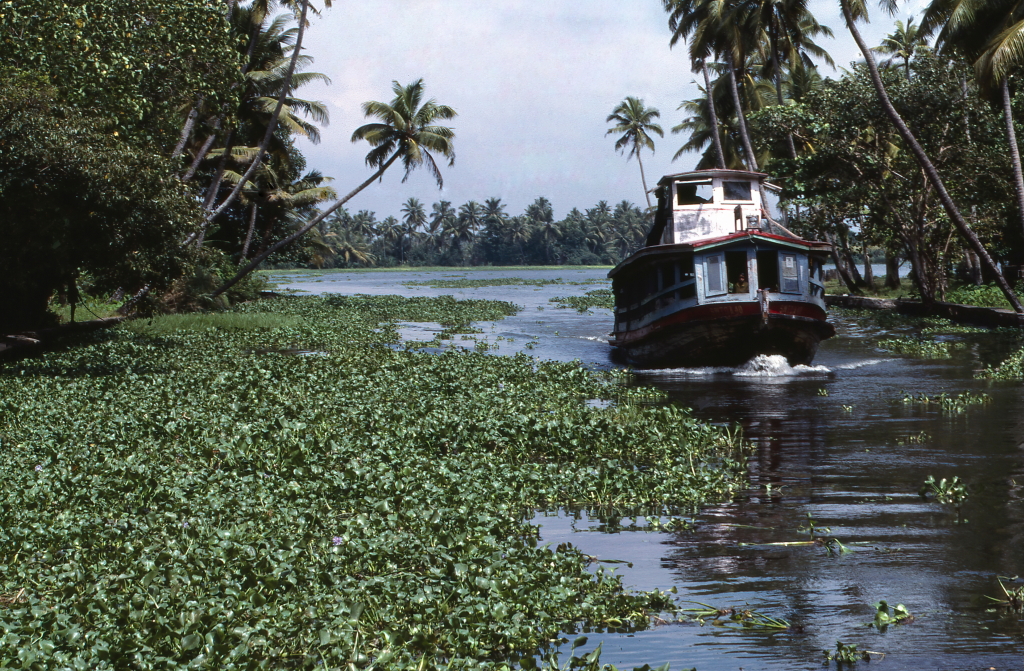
[944, 491]
[848, 654]
[172, 500]
[598, 298]
[940, 326]
[899, 614]
[1012, 598]
[1012, 368]
[918, 439]
[739, 618]
[465, 283]
[949, 404]
[923, 349]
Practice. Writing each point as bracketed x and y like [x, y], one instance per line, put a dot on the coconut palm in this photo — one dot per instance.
[636, 123]
[901, 44]
[413, 217]
[990, 33]
[406, 131]
[389, 230]
[853, 10]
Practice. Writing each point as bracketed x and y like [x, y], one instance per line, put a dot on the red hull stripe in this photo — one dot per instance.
[723, 311]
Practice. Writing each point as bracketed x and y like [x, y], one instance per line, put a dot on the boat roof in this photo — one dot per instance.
[700, 245]
[714, 172]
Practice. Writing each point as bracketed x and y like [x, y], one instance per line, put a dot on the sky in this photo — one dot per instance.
[533, 82]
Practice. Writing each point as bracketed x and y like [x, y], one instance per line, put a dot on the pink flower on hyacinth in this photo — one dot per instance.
[39, 467]
[337, 540]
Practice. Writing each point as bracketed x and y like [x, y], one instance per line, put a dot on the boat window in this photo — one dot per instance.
[736, 190]
[694, 194]
[790, 276]
[768, 270]
[736, 272]
[713, 275]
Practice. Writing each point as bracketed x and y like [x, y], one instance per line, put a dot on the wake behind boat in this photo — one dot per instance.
[714, 285]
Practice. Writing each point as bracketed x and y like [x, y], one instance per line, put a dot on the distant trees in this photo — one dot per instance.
[475, 234]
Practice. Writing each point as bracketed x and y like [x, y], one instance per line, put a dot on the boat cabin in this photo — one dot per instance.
[712, 245]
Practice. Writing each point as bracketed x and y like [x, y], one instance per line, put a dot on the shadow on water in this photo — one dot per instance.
[835, 442]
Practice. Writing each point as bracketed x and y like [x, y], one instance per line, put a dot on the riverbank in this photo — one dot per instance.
[205, 496]
[962, 314]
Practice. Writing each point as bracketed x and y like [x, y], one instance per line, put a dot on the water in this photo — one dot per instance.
[848, 458]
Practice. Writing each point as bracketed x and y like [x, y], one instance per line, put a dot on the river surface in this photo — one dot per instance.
[835, 442]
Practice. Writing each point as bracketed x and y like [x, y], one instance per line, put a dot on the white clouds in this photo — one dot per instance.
[532, 82]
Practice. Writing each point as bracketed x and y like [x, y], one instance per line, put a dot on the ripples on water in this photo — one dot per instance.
[833, 440]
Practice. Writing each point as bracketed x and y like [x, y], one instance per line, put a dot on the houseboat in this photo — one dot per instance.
[717, 281]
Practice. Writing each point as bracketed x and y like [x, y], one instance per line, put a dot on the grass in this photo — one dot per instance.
[197, 322]
[89, 308]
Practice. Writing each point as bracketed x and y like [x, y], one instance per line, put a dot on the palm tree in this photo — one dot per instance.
[852, 12]
[636, 122]
[389, 230]
[990, 34]
[406, 131]
[413, 216]
[901, 43]
[714, 32]
[441, 217]
[519, 231]
[290, 201]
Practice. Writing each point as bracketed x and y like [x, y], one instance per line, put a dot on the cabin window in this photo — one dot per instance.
[694, 193]
[714, 280]
[736, 272]
[736, 190]
[790, 274]
[768, 270]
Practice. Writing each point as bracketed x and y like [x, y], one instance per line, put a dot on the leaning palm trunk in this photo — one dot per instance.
[643, 180]
[715, 134]
[305, 229]
[926, 164]
[748, 149]
[248, 234]
[778, 79]
[271, 125]
[1011, 137]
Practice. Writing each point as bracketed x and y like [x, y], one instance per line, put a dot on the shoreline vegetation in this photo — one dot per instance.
[172, 497]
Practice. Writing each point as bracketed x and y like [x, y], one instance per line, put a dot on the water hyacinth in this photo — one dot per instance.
[412, 459]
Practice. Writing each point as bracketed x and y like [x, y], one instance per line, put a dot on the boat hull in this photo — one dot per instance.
[700, 337]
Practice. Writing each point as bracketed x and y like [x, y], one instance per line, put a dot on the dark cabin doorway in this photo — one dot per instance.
[736, 271]
[768, 270]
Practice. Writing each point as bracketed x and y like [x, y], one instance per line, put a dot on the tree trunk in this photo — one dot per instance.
[869, 272]
[841, 269]
[748, 149]
[774, 35]
[643, 179]
[892, 270]
[271, 125]
[926, 164]
[1011, 138]
[305, 229]
[248, 234]
[716, 136]
[186, 131]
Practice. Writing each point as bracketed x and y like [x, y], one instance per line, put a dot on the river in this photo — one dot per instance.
[834, 441]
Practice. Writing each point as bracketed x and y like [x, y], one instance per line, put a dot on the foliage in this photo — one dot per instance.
[1012, 598]
[918, 347]
[173, 500]
[131, 62]
[949, 404]
[883, 617]
[465, 283]
[846, 654]
[859, 173]
[1012, 368]
[945, 491]
[224, 321]
[739, 618]
[985, 295]
[76, 198]
[598, 298]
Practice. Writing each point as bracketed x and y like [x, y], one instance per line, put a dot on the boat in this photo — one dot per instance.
[718, 281]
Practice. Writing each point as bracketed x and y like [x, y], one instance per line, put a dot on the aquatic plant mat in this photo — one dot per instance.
[173, 499]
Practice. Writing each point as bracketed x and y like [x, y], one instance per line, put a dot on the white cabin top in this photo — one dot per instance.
[707, 204]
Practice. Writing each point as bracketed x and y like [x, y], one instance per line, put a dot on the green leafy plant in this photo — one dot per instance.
[884, 616]
[944, 491]
[599, 298]
[1012, 598]
[740, 618]
[847, 654]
